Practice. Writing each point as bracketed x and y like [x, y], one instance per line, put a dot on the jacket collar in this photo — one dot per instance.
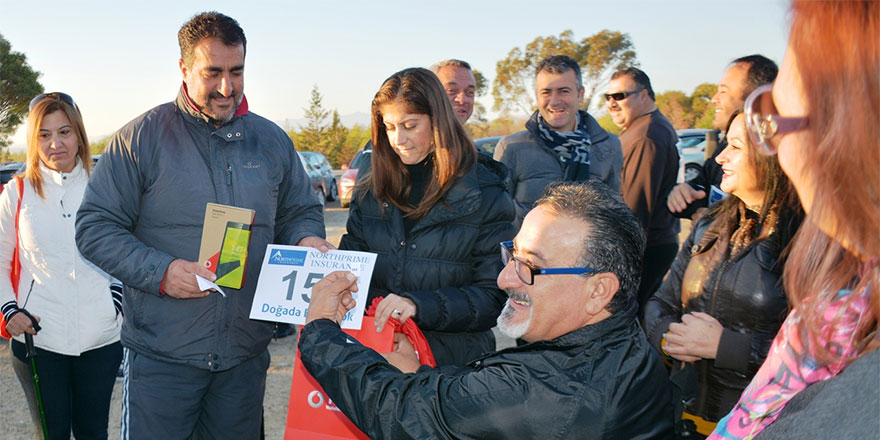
[591, 337]
[462, 199]
[230, 132]
[59, 178]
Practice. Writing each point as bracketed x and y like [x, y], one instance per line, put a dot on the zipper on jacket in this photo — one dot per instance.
[704, 379]
[229, 182]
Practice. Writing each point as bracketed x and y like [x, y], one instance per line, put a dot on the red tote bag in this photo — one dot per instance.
[310, 413]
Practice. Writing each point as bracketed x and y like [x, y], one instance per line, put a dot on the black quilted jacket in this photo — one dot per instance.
[448, 263]
[598, 382]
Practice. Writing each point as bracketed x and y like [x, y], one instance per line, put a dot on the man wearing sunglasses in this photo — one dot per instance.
[571, 276]
[745, 74]
[561, 142]
[650, 167]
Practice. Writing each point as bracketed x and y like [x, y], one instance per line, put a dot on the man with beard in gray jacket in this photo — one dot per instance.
[560, 142]
[195, 364]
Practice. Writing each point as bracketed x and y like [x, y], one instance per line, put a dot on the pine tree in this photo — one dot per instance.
[335, 139]
[313, 137]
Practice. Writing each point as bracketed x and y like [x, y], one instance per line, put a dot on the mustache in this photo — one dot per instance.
[517, 296]
[217, 95]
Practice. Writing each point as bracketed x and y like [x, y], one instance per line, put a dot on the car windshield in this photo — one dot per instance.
[691, 141]
[360, 160]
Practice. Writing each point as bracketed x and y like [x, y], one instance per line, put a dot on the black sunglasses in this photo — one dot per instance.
[54, 95]
[620, 96]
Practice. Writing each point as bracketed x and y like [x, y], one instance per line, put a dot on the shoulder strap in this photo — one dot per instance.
[15, 271]
[20, 184]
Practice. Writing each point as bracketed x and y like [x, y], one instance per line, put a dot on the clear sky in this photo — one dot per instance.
[119, 58]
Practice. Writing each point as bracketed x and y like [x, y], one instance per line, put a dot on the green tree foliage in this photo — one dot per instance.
[608, 124]
[694, 111]
[478, 125]
[599, 56]
[335, 141]
[8, 156]
[482, 85]
[704, 110]
[312, 137]
[18, 85]
[356, 138]
[99, 146]
[676, 106]
[501, 126]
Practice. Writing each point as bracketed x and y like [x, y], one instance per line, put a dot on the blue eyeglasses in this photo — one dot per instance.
[54, 95]
[527, 273]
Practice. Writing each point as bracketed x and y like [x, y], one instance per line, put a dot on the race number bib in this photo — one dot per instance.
[289, 273]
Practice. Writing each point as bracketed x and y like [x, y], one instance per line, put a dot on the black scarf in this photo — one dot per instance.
[571, 147]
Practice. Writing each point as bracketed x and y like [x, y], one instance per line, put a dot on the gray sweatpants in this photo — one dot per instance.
[174, 401]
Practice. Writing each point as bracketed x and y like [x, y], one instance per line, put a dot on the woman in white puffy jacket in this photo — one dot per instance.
[78, 348]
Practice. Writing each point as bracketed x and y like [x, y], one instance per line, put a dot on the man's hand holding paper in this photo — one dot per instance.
[331, 297]
[180, 283]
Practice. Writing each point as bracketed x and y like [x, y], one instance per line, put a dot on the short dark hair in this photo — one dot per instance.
[560, 64]
[762, 70]
[615, 242]
[450, 62]
[208, 25]
[637, 75]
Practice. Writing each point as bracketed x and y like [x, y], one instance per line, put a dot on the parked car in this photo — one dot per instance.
[349, 178]
[692, 151]
[487, 145]
[314, 178]
[7, 170]
[328, 181]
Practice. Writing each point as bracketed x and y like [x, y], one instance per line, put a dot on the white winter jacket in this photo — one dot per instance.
[70, 294]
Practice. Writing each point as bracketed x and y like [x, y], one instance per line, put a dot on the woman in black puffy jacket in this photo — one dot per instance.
[434, 211]
[722, 302]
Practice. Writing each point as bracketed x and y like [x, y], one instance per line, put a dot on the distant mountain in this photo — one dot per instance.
[349, 120]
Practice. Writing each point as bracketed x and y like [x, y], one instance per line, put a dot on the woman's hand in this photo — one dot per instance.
[20, 323]
[393, 306]
[317, 243]
[696, 337]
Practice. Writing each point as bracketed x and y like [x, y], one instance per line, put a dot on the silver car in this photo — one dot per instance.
[320, 164]
[692, 151]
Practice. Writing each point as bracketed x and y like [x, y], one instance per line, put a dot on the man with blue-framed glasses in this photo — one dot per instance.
[571, 276]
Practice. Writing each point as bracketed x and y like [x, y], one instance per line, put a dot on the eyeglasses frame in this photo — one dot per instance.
[507, 254]
[762, 128]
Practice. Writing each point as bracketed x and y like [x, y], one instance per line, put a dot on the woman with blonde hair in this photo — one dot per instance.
[434, 210]
[821, 118]
[76, 305]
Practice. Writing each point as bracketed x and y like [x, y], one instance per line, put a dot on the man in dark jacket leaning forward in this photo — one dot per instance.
[587, 371]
